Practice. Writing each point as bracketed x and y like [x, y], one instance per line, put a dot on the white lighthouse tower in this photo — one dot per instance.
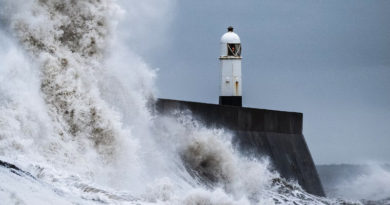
[230, 60]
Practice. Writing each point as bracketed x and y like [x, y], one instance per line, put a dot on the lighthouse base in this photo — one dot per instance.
[230, 100]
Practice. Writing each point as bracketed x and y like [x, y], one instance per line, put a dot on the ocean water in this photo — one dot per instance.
[76, 125]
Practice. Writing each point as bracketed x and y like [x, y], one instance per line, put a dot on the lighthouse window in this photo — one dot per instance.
[234, 49]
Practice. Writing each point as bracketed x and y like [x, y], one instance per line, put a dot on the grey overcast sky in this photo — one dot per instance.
[329, 59]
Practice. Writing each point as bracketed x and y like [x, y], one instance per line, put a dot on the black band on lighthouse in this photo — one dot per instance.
[231, 100]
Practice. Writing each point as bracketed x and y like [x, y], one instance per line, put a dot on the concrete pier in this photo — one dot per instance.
[260, 132]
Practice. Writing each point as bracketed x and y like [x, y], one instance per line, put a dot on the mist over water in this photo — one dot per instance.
[76, 117]
[370, 181]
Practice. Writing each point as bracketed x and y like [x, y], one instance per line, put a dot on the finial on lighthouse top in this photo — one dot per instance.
[230, 29]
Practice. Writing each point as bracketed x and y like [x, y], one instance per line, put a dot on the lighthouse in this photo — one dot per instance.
[230, 62]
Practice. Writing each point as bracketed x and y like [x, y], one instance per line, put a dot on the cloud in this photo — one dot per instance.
[146, 23]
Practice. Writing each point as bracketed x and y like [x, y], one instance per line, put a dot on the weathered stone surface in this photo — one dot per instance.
[260, 132]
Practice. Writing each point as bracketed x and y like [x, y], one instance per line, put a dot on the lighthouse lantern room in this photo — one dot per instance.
[230, 61]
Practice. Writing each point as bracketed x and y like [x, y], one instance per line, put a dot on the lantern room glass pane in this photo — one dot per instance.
[234, 49]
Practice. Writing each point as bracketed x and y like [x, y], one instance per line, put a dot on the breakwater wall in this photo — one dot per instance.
[260, 132]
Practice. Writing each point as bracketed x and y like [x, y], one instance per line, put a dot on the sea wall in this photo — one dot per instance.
[260, 132]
